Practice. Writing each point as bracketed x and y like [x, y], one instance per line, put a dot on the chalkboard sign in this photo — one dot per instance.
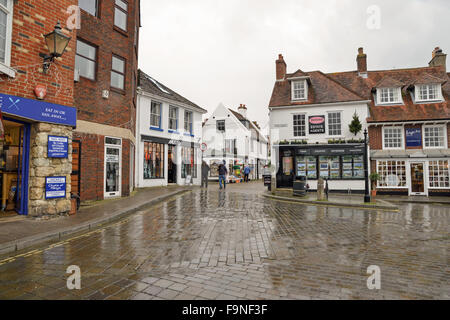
[55, 187]
[58, 147]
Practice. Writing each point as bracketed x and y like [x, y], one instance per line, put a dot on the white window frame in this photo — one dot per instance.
[293, 126]
[396, 94]
[407, 174]
[159, 126]
[402, 130]
[328, 124]
[445, 144]
[438, 92]
[5, 67]
[429, 173]
[305, 86]
[172, 107]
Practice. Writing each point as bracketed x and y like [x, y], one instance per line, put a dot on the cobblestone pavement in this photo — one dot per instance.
[238, 245]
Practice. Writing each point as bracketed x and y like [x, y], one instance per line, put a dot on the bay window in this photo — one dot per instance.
[434, 136]
[439, 174]
[392, 137]
[392, 174]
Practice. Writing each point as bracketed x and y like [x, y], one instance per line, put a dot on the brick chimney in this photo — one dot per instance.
[281, 68]
[438, 58]
[243, 110]
[361, 61]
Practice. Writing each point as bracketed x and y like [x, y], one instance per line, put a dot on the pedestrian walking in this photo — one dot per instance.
[247, 171]
[222, 175]
[205, 173]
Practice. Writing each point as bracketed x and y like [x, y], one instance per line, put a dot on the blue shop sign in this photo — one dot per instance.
[413, 137]
[38, 110]
[58, 147]
[55, 187]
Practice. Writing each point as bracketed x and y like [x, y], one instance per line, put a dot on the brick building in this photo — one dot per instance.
[37, 108]
[105, 97]
[406, 112]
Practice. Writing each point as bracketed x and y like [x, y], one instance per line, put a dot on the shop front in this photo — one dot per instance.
[35, 165]
[165, 161]
[342, 166]
[412, 175]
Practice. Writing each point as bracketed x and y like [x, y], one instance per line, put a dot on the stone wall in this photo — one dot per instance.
[41, 166]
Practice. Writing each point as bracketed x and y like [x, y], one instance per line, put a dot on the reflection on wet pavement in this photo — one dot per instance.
[234, 245]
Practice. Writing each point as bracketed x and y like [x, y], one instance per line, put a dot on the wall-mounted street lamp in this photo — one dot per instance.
[56, 42]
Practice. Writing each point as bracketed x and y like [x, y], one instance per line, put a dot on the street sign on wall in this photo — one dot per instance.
[58, 147]
[55, 187]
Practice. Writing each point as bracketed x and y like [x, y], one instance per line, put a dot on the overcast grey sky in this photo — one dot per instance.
[213, 51]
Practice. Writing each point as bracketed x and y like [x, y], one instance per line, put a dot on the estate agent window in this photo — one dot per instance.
[121, 14]
[118, 73]
[334, 124]
[173, 118]
[439, 174]
[6, 13]
[188, 165]
[90, 6]
[330, 167]
[434, 137]
[188, 115]
[393, 137]
[153, 160]
[392, 174]
[155, 114]
[299, 125]
[85, 59]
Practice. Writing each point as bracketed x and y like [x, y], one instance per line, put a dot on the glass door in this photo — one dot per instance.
[112, 171]
[417, 179]
[172, 167]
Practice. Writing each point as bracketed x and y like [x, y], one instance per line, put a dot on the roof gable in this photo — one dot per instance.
[389, 82]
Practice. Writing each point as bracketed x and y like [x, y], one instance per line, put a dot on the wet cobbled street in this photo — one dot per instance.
[237, 244]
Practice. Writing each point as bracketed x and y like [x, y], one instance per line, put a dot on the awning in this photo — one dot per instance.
[413, 154]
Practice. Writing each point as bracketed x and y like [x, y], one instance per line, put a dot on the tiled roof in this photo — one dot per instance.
[389, 82]
[426, 78]
[409, 111]
[322, 89]
[150, 85]
[241, 117]
[298, 73]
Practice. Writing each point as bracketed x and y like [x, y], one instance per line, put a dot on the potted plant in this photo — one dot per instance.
[374, 177]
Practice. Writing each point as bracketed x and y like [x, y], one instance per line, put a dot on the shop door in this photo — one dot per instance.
[75, 177]
[285, 175]
[172, 166]
[417, 179]
[112, 171]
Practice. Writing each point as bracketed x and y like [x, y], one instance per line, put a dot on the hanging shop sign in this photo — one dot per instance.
[58, 147]
[316, 124]
[413, 137]
[55, 187]
[38, 110]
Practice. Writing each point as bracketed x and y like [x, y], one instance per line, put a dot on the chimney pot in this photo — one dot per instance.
[438, 58]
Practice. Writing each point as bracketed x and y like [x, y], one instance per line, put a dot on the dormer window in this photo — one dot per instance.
[428, 92]
[299, 90]
[389, 95]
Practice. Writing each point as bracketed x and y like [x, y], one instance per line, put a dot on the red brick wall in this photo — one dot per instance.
[119, 109]
[375, 138]
[32, 19]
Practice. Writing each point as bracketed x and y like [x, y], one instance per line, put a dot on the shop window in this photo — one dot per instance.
[86, 60]
[334, 124]
[434, 137]
[118, 73]
[121, 14]
[299, 125]
[173, 118]
[392, 174]
[439, 174]
[393, 137]
[153, 160]
[307, 166]
[189, 163]
[90, 6]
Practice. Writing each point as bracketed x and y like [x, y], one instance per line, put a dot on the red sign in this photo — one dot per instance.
[40, 91]
[316, 120]
[203, 147]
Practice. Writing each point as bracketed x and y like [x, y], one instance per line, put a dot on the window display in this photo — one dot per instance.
[153, 160]
[439, 174]
[189, 163]
[392, 174]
